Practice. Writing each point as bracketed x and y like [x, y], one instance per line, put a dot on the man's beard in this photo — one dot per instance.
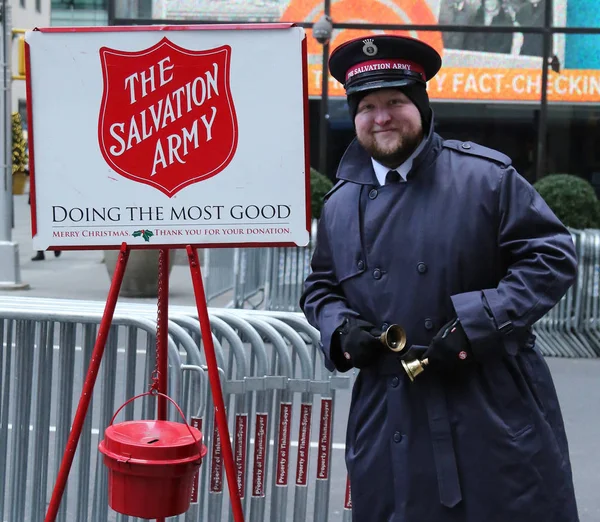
[391, 156]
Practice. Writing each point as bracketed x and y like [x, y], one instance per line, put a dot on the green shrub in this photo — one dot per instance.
[319, 186]
[572, 199]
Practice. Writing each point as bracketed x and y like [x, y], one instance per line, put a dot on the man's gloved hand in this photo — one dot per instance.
[359, 342]
[450, 348]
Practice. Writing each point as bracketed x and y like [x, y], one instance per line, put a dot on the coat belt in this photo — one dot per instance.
[443, 449]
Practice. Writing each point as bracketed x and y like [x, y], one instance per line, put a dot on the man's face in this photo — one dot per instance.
[388, 126]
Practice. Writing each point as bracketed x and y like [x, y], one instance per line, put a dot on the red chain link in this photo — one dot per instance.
[156, 372]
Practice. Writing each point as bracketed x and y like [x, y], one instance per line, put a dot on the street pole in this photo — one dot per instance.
[541, 163]
[10, 273]
[324, 113]
[324, 109]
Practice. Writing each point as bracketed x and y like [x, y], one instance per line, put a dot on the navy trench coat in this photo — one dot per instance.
[466, 235]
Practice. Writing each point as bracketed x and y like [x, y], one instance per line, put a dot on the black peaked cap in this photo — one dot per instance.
[366, 58]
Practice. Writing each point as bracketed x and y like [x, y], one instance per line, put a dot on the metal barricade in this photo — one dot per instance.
[272, 278]
[250, 276]
[287, 269]
[218, 268]
[43, 359]
[570, 329]
[272, 376]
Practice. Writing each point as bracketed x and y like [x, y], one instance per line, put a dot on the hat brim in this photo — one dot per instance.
[380, 84]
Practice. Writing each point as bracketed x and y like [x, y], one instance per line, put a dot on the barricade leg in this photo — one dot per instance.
[42, 425]
[6, 360]
[85, 446]
[66, 373]
[20, 435]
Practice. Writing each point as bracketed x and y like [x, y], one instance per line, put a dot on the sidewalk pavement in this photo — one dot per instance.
[82, 274]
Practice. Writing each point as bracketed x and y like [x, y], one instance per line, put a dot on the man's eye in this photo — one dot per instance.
[396, 101]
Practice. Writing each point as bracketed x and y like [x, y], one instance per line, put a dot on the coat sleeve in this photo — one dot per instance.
[323, 301]
[542, 265]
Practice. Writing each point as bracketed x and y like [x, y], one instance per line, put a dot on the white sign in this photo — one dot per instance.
[157, 136]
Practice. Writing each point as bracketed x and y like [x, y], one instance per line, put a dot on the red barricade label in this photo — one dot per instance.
[324, 439]
[303, 444]
[216, 469]
[260, 455]
[241, 430]
[283, 443]
[196, 422]
[347, 498]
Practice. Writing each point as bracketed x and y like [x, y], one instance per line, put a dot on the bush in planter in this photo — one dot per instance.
[19, 155]
[572, 199]
[19, 145]
[319, 186]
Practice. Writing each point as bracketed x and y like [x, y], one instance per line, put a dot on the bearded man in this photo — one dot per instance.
[447, 240]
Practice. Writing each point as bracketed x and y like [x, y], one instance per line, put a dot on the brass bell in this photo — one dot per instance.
[394, 338]
[414, 368]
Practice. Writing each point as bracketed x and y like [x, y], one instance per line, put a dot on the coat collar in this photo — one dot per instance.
[356, 165]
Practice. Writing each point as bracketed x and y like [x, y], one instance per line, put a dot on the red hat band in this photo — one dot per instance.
[385, 65]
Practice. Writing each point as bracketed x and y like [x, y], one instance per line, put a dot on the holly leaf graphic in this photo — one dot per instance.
[145, 233]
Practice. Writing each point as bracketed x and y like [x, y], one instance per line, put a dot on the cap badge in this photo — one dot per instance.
[370, 49]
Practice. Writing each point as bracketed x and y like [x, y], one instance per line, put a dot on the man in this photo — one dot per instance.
[453, 241]
[457, 12]
[531, 13]
[491, 13]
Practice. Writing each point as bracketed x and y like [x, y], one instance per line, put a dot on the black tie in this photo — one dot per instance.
[392, 177]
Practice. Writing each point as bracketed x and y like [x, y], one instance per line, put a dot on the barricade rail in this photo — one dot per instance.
[272, 376]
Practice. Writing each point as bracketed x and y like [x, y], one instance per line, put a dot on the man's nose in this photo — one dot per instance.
[382, 116]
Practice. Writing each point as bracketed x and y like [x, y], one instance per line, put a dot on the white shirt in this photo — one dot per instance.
[381, 171]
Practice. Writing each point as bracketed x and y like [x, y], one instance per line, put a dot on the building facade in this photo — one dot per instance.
[521, 76]
[79, 12]
[26, 14]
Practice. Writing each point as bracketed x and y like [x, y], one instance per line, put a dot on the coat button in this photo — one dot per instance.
[428, 324]
[377, 274]
[360, 265]
[397, 436]
[373, 194]
[395, 382]
[422, 268]
[466, 146]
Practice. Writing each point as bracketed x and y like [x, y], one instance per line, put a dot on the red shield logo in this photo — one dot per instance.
[167, 117]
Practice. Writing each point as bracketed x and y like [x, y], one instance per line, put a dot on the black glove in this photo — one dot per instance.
[450, 348]
[359, 342]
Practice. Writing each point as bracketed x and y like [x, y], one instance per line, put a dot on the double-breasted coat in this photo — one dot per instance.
[465, 236]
